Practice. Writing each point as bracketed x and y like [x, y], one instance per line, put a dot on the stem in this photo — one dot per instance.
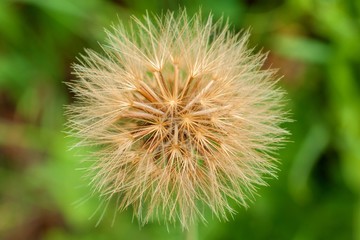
[186, 86]
[176, 79]
[161, 82]
[192, 233]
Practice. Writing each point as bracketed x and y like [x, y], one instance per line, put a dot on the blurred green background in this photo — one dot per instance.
[315, 44]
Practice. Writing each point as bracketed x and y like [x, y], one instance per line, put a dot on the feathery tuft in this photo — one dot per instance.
[182, 115]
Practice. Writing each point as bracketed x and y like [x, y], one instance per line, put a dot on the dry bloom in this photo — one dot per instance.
[181, 116]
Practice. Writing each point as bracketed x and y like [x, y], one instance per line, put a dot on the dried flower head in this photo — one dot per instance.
[182, 115]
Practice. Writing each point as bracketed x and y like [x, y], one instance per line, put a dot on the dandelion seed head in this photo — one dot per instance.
[182, 117]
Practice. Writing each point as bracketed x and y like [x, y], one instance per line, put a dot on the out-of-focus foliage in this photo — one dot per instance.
[315, 44]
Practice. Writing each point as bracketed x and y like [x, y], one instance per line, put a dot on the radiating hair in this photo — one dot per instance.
[182, 117]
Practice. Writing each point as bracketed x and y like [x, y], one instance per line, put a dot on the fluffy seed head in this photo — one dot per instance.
[181, 116]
